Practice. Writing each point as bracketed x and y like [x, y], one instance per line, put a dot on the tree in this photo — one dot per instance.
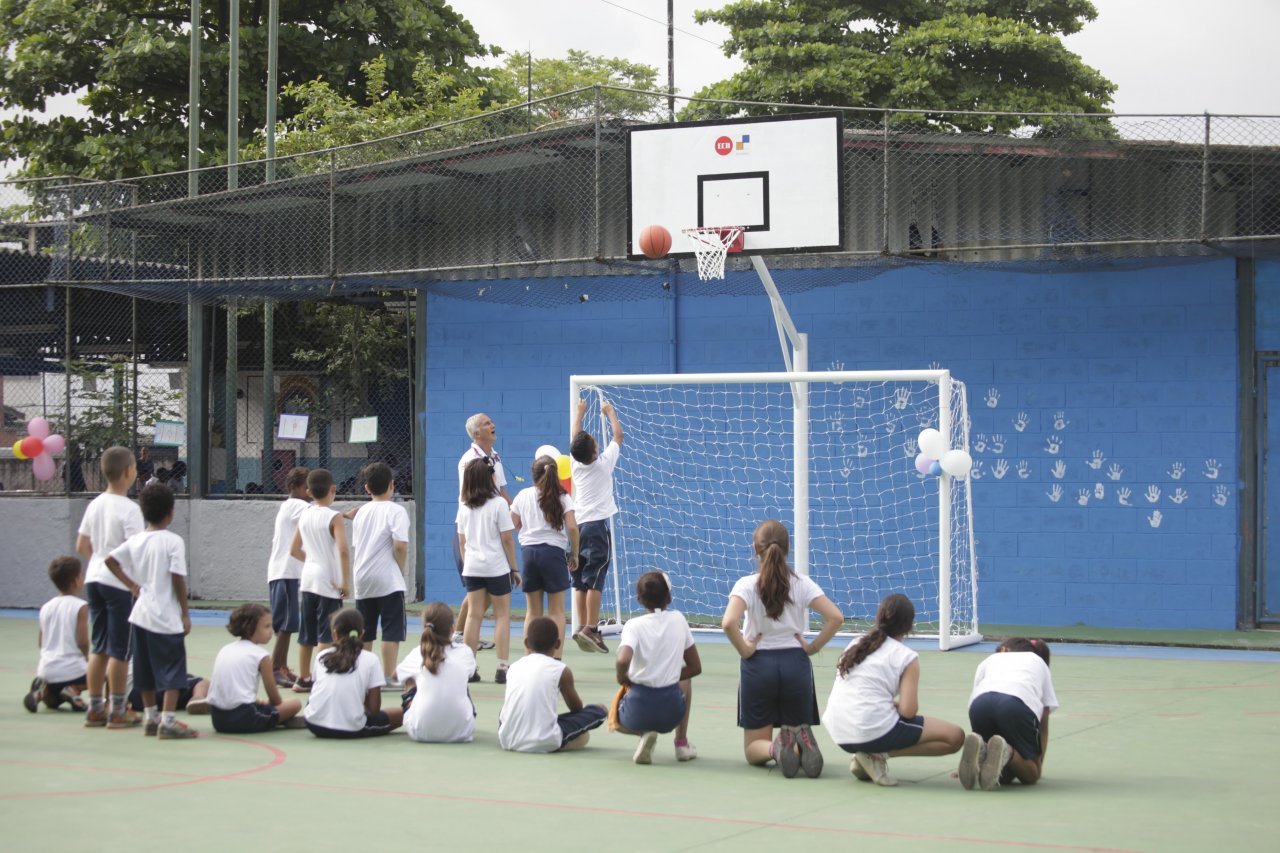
[516, 82]
[924, 56]
[130, 59]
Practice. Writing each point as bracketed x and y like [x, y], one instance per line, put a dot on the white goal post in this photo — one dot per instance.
[706, 457]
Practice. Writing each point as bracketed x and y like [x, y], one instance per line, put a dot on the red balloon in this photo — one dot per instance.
[568, 485]
[32, 447]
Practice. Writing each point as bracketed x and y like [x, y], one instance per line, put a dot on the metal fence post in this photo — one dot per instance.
[1204, 180]
[230, 407]
[597, 172]
[268, 394]
[884, 188]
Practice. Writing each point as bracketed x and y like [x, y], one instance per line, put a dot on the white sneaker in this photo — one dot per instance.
[644, 752]
[483, 645]
[970, 758]
[876, 765]
[393, 685]
[856, 769]
[686, 752]
[998, 754]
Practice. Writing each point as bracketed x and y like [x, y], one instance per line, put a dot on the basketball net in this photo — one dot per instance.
[711, 246]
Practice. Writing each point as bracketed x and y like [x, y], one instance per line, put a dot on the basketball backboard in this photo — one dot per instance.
[780, 178]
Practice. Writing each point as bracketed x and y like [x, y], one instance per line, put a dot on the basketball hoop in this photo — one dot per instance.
[712, 246]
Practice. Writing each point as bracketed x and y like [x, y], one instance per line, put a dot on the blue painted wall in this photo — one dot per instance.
[1103, 406]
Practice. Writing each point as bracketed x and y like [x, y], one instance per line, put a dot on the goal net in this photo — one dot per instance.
[706, 457]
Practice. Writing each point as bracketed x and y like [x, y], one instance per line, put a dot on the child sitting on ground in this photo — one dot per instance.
[64, 641]
[528, 721]
[346, 699]
[439, 708]
[239, 666]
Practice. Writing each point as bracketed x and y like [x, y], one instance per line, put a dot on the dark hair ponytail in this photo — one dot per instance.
[894, 618]
[546, 477]
[771, 545]
[347, 627]
[478, 484]
[437, 631]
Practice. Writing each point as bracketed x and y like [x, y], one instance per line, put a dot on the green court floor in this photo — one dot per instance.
[1145, 755]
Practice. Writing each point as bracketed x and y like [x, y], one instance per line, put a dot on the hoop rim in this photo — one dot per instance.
[736, 234]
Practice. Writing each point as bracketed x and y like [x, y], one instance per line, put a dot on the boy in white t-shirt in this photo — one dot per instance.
[109, 520]
[320, 544]
[594, 507]
[64, 641]
[153, 564]
[380, 546]
[528, 721]
[283, 572]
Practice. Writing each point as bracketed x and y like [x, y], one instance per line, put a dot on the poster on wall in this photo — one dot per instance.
[293, 427]
[170, 434]
[363, 430]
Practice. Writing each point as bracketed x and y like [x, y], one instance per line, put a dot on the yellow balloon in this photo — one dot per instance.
[17, 449]
[562, 467]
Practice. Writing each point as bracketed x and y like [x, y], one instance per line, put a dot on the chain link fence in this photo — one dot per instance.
[299, 274]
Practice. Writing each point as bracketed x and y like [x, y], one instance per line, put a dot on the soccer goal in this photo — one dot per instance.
[706, 457]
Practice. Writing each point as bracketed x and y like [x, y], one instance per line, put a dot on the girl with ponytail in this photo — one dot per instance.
[543, 514]
[438, 708]
[766, 619]
[346, 701]
[862, 713]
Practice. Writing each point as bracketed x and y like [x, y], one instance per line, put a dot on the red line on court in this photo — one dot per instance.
[759, 824]
[277, 758]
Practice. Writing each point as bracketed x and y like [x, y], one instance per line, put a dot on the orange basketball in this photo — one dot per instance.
[655, 241]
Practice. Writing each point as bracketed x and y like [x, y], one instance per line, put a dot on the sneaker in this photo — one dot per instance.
[475, 678]
[304, 685]
[483, 645]
[644, 752]
[810, 756]
[32, 700]
[73, 699]
[177, 731]
[393, 685]
[876, 766]
[95, 719]
[785, 752]
[150, 727]
[970, 757]
[597, 641]
[583, 643]
[686, 752]
[128, 719]
[285, 678]
[856, 769]
[998, 754]
[500, 677]
[198, 706]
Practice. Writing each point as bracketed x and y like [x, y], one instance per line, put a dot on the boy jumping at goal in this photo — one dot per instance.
[593, 496]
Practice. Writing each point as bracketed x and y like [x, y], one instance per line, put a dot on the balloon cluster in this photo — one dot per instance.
[936, 458]
[39, 446]
[563, 469]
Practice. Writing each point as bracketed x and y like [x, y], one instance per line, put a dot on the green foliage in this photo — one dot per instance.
[357, 349]
[924, 56]
[103, 411]
[515, 82]
[131, 59]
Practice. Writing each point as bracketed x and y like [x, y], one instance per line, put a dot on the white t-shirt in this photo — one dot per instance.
[474, 452]
[442, 711]
[108, 521]
[282, 566]
[1021, 674]
[408, 668]
[234, 681]
[483, 526]
[860, 707]
[322, 570]
[528, 721]
[152, 558]
[60, 656]
[376, 527]
[779, 633]
[593, 485]
[657, 641]
[534, 529]
[337, 698]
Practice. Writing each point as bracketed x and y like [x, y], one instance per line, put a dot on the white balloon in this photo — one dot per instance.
[956, 463]
[546, 450]
[932, 444]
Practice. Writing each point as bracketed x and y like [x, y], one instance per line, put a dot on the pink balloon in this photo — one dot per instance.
[922, 463]
[38, 427]
[43, 467]
[55, 444]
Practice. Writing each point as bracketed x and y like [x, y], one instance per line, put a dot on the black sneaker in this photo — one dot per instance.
[500, 677]
[32, 700]
[810, 756]
[73, 698]
[475, 678]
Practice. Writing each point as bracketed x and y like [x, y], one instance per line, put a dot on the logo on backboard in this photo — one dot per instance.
[727, 145]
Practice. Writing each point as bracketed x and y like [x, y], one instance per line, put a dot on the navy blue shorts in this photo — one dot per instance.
[904, 733]
[159, 661]
[184, 695]
[109, 620]
[594, 552]
[574, 723]
[992, 714]
[284, 605]
[651, 709]
[374, 725]
[317, 610]
[247, 719]
[546, 568]
[500, 585]
[387, 610]
[775, 688]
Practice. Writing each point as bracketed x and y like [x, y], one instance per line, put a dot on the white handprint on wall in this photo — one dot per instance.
[975, 473]
[901, 397]
[1052, 445]
[1060, 421]
[1177, 471]
[1021, 421]
[1220, 495]
[1095, 462]
[1059, 470]
[993, 398]
[997, 443]
[1123, 495]
[980, 443]
[890, 427]
[1024, 469]
[1155, 518]
[1153, 494]
[1000, 469]
[1115, 472]
[1054, 494]
[1099, 491]
[1082, 497]
[1211, 469]
[1179, 496]
[862, 449]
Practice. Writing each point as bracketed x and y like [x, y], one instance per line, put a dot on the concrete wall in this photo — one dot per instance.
[227, 546]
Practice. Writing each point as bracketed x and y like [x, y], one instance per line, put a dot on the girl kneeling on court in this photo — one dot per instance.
[239, 666]
[776, 687]
[862, 714]
[438, 708]
[346, 701]
[656, 660]
[1009, 714]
